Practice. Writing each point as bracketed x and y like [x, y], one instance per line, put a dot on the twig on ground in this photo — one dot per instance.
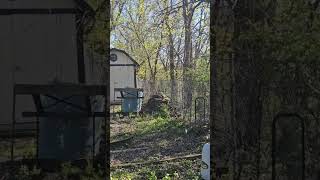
[191, 156]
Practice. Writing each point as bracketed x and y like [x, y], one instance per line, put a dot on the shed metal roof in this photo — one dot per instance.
[124, 52]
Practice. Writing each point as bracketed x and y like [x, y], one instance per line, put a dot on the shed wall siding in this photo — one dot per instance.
[52, 54]
[120, 76]
[32, 4]
[35, 49]
[6, 68]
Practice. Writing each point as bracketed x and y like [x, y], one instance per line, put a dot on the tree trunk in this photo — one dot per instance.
[247, 84]
[172, 72]
[187, 62]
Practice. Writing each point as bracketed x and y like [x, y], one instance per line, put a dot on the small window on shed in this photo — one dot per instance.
[113, 57]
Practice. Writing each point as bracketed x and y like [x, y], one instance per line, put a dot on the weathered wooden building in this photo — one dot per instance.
[123, 72]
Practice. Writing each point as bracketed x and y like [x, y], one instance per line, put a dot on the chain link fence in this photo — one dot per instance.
[199, 89]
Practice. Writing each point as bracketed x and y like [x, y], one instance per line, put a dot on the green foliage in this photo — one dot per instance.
[91, 173]
[27, 174]
[99, 26]
[152, 176]
[163, 112]
[26, 148]
[68, 171]
[145, 34]
[151, 124]
[174, 176]
[28, 152]
[181, 170]
[167, 177]
[122, 175]
[201, 71]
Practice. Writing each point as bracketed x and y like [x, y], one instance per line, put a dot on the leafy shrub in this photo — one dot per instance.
[91, 173]
[163, 112]
[152, 176]
[121, 175]
[27, 174]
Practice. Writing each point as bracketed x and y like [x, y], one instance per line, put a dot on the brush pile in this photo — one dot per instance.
[156, 104]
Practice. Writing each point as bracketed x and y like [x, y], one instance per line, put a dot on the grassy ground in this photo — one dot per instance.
[185, 169]
[24, 148]
[156, 138]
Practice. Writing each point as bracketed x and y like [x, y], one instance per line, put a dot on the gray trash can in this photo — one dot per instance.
[69, 138]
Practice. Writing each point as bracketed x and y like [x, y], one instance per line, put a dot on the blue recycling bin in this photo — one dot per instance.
[132, 100]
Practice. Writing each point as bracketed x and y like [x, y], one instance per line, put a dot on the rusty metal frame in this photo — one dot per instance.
[84, 90]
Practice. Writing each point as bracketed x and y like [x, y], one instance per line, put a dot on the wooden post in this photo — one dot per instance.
[13, 123]
[93, 136]
[37, 138]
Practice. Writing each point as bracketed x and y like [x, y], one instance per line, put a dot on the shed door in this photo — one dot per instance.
[121, 77]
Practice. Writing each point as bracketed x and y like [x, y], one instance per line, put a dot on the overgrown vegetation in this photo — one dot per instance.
[160, 121]
[69, 171]
[27, 173]
[161, 134]
[24, 148]
[185, 169]
[158, 124]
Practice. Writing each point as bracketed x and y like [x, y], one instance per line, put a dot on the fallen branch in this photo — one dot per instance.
[128, 150]
[192, 156]
[121, 140]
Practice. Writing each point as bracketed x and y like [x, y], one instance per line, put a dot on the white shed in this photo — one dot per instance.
[123, 73]
[40, 41]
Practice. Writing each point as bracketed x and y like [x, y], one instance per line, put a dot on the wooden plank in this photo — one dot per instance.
[39, 11]
[191, 156]
[128, 150]
[22, 133]
[19, 123]
[130, 97]
[27, 89]
[122, 89]
[122, 140]
[54, 114]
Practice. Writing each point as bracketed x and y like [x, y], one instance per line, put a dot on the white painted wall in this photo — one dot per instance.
[5, 70]
[120, 76]
[45, 48]
[34, 49]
